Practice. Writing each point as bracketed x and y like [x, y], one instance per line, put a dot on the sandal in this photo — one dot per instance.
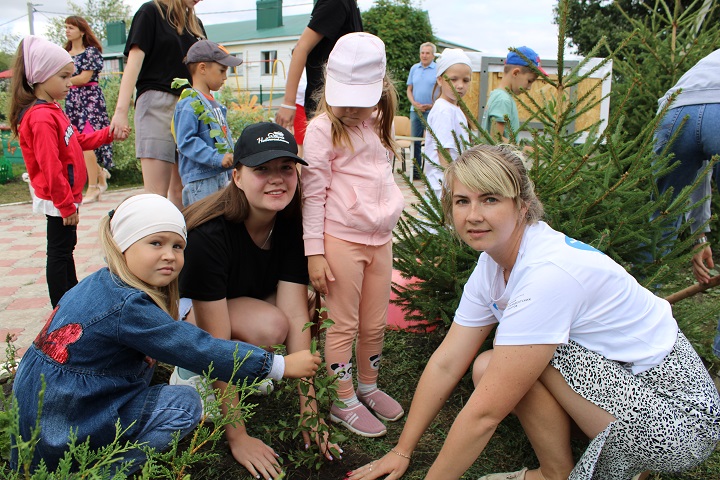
[103, 177]
[506, 476]
[92, 194]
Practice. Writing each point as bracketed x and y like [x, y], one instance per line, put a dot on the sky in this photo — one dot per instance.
[482, 25]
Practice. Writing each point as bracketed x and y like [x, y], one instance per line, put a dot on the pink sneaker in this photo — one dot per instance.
[359, 420]
[382, 404]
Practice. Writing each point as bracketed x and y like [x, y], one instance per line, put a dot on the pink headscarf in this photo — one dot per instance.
[43, 59]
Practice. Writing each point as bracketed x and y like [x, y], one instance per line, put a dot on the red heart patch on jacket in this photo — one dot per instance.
[55, 344]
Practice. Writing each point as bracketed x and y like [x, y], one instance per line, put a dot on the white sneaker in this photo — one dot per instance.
[5, 373]
[211, 409]
[264, 387]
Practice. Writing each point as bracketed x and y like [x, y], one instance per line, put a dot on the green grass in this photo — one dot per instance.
[16, 190]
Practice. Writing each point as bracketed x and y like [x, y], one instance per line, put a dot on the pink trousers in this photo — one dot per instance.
[357, 302]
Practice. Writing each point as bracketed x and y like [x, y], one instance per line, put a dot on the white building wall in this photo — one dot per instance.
[252, 71]
[250, 74]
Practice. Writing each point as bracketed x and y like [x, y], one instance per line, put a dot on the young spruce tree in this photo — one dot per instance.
[597, 187]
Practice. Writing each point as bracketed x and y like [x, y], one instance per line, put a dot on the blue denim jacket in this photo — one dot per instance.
[198, 158]
[93, 353]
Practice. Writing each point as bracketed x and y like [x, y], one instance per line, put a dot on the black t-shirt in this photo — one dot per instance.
[332, 19]
[222, 261]
[164, 49]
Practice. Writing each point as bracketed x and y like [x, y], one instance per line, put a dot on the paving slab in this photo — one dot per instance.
[24, 300]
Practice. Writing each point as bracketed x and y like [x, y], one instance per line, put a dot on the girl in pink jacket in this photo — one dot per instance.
[350, 207]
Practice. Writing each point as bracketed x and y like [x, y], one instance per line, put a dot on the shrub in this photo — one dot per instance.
[243, 110]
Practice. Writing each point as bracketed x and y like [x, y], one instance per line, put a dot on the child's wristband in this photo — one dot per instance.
[289, 107]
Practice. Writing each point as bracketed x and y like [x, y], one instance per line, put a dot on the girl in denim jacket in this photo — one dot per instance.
[98, 349]
[350, 207]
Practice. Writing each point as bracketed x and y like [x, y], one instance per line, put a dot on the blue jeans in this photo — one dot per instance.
[199, 189]
[178, 408]
[417, 129]
[693, 148]
[695, 145]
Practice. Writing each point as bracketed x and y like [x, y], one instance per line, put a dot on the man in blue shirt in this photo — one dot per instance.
[420, 83]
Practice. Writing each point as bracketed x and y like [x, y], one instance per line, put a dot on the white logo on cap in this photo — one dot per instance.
[273, 137]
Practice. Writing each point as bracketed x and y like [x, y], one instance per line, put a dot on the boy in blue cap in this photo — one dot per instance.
[517, 76]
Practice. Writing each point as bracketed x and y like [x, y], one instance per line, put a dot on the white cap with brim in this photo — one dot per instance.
[355, 71]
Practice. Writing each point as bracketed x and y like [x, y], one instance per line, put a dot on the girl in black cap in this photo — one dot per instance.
[245, 268]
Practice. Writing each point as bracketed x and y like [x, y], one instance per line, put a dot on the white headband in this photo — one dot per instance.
[450, 57]
[42, 59]
[143, 215]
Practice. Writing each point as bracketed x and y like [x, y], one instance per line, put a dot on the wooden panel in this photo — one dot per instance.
[472, 96]
[592, 116]
[541, 90]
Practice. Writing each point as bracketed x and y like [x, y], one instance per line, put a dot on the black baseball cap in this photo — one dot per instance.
[261, 142]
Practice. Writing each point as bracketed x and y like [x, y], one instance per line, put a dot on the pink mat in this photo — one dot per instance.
[396, 316]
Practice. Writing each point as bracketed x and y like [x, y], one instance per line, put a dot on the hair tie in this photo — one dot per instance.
[111, 213]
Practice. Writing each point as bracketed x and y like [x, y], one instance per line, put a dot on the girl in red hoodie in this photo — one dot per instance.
[53, 151]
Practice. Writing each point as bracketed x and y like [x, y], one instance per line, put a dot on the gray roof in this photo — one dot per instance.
[241, 32]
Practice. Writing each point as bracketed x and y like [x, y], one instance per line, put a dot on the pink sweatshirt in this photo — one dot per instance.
[350, 195]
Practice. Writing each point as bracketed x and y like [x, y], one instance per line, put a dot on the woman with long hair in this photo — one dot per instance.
[161, 33]
[85, 102]
[246, 273]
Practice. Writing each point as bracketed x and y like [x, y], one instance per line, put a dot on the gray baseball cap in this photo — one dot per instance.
[207, 51]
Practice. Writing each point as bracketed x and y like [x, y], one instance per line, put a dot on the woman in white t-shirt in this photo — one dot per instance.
[578, 340]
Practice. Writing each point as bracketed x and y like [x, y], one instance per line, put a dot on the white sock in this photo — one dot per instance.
[349, 402]
[366, 388]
